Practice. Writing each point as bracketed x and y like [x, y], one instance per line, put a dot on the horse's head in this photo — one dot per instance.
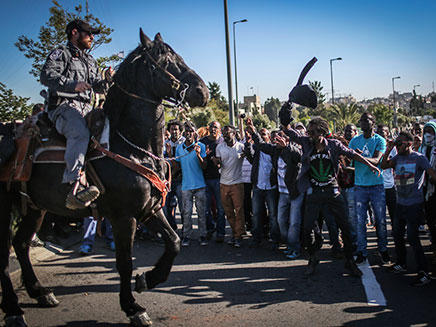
[154, 70]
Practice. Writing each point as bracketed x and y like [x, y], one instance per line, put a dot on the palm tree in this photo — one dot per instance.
[343, 114]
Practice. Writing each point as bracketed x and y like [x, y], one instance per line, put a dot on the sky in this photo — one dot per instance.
[377, 40]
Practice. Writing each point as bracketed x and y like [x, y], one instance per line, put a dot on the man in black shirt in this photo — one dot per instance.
[318, 178]
[212, 179]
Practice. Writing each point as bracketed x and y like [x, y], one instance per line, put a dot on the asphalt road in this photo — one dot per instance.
[219, 285]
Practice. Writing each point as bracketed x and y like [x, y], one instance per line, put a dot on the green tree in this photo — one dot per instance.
[271, 108]
[383, 114]
[216, 96]
[343, 114]
[52, 34]
[317, 87]
[261, 121]
[201, 116]
[12, 107]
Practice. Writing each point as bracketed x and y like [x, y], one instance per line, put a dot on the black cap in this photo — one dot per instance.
[81, 26]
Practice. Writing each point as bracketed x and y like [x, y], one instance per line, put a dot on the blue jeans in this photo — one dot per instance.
[258, 203]
[410, 216]
[188, 197]
[348, 195]
[90, 228]
[213, 187]
[176, 192]
[376, 195]
[289, 220]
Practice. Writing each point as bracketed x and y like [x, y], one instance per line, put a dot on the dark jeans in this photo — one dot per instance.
[248, 212]
[213, 188]
[176, 192]
[410, 216]
[319, 200]
[332, 228]
[391, 203]
[271, 197]
[430, 218]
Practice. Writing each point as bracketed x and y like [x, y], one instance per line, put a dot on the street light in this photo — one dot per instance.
[331, 77]
[415, 86]
[236, 72]
[393, 97]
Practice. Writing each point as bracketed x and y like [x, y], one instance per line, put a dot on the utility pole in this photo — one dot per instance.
[236, 70]
[393, 97]
[229, 67]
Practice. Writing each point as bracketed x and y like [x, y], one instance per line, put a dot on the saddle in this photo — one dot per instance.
[41, 143]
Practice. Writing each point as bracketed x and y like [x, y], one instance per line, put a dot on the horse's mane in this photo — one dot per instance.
[116, 99]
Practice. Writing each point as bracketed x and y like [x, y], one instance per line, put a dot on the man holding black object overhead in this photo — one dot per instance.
[318, 175]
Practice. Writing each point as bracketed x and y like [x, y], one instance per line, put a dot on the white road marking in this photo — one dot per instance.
[373, 291]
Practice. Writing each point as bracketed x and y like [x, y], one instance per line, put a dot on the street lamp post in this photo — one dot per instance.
[236, 71]
[331, 77]
[229, 66]
[393, 97]
[415, 86]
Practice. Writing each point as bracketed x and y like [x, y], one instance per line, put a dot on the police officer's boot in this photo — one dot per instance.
[80, 196]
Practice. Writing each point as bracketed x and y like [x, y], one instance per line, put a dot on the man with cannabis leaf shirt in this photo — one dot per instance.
[318, 178]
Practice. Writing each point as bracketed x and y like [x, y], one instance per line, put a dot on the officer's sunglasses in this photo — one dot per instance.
[86, 32]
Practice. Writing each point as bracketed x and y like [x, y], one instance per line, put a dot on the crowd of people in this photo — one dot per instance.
[282, 185]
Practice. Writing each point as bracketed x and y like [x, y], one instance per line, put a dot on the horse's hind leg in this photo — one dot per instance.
[124, 231]
[159, 224]
[9, 304]
[30, 225]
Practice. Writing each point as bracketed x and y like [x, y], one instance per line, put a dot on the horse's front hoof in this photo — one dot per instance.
[15, 321]
[48, 300]
[140, 283]
[141, 319]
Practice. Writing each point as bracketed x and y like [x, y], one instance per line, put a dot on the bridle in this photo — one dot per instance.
[177, 101]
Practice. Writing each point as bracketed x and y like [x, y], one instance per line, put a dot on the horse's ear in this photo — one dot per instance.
[158, 38]
[145, 41]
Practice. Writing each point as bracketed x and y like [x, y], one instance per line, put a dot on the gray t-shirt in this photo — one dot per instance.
[409, 177]
[231, 162]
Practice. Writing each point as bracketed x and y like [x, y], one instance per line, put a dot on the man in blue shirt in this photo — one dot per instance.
[409, 168]
[369, 188]
[190, 154]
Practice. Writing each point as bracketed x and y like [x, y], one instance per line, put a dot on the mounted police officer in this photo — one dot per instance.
[71, 74]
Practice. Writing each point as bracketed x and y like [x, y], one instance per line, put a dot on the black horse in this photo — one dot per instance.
[151, 73]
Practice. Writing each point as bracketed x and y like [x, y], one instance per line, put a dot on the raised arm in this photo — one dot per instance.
[365, 161]
[386, 163]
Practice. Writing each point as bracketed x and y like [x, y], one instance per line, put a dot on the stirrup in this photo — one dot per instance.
[80, 196]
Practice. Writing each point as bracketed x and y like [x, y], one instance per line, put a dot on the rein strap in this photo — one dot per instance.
[163, 186]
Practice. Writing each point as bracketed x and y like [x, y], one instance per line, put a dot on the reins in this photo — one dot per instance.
[163, 186]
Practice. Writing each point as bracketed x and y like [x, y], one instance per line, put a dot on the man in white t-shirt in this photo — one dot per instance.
[229, 157]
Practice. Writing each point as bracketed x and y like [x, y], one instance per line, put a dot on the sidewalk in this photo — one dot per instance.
[41, 253]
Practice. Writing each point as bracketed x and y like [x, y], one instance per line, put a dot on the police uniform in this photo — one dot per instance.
[65, 67]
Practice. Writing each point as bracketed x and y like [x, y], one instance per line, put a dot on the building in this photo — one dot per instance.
[252, 104]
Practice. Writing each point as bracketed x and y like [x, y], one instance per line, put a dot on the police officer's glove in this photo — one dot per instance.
[285, 113]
